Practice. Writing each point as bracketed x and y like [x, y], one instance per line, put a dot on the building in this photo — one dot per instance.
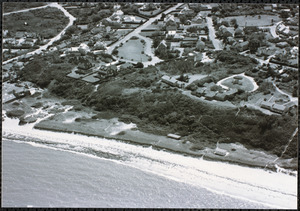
[209, 95]
[221, 96]
[172, 81]
[171, 30]
[200, 92]
[83, 26]
[266, 105]
[162, 47]
[268, 8]
[221, 152]
[189, 42]
[173, 136]
[279, 108]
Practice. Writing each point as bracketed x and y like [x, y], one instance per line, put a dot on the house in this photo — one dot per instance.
[62, 45]
[173, 136]
[31, 35]
[189, 41]
[83, 26]
[178, 37]
[220, 96]
[172, 81]
[241, 46]
[83, 48]
[268, 8]
[238, 32]
[119, 13]
[238, 77]
[199, 92]
[209, 95]
[169, 20]
[282, 44]
[20, 34]
[221, 152]
[266, 105]
[162, 47]
[171, 30]
[230, 93]
[279, 108]
[74, 51]
[5, 33]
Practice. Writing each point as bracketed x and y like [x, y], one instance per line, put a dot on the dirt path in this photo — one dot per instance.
[25, 10]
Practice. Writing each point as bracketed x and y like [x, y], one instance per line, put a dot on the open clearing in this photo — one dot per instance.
[246, 84]
[132, 50]
[265, 20]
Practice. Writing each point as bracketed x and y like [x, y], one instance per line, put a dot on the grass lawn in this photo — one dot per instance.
[265, 20]
[132, 50]
[246, 84]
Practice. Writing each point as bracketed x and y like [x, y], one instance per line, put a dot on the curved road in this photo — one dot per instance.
[57, 37]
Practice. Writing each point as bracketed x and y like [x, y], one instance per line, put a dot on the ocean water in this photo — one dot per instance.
[47, 169]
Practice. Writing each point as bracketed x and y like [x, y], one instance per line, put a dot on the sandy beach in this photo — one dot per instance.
[46, 112]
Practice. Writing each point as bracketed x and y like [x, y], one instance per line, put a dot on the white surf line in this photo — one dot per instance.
[274, 189]
[57, 37]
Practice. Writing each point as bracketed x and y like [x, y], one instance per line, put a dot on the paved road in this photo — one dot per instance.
[57, 37]
[136, 31]
[212, 34]
[273, 29]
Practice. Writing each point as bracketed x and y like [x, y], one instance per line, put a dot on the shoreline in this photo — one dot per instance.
[67, 118]
[137, 137]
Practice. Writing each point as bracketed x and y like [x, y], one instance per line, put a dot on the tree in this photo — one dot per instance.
[139, 65]
[214, 9]
[183, 19]
[71, 30]
[254, 44]
[284, 14]
[233, 21]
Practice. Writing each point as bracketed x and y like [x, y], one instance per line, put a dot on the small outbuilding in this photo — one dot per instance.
[173, 136]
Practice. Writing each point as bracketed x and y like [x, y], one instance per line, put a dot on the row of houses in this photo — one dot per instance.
[273, 107]
[172, 81]
[215, 95]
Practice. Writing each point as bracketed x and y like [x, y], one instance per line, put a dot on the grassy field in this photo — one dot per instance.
[265, 20]
[48, 21]
[246, 84]
[132, 50]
